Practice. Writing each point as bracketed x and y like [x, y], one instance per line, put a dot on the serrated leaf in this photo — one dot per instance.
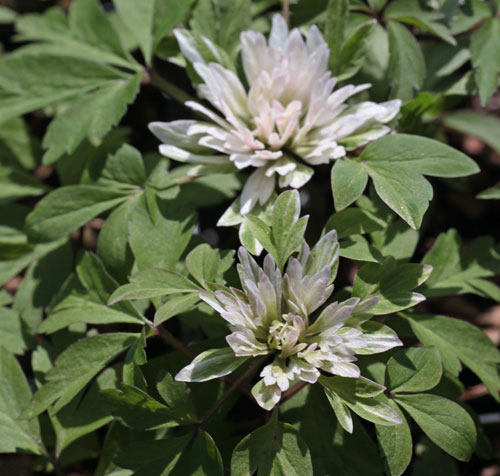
[477, 124]
[154, 457]
[395, 443]
[445, 422]
[68, 208]
[354, 221]
[415, 369]
[177, 396]
[358, 395]
[336, 19]
[150, 20]
[90, 116]
[204, 457]
[175, 306]
[151, 283]
[275, 449]
[458, 341]
[74, 368]
[392, 283]
[406, 66]
[159, 230]
[484, 45]
[203, 263]
[410, 12]
[136, 409]
[17, 435]
[349, 179]
[457, 272]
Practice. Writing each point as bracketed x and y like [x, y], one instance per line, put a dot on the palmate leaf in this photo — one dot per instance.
[274, 449]
[485, 42]
[73, 59]
[396, 164]
[150, 20]
[18, 435]
[458, 341]
[459, 272]
[74, 368]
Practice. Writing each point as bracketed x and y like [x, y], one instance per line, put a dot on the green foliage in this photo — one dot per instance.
[274, 449]
[121, 310]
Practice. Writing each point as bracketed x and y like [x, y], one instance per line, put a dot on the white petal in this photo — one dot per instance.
[259, 188]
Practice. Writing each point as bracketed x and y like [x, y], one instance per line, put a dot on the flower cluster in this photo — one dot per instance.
[289, 111]
[274, 315]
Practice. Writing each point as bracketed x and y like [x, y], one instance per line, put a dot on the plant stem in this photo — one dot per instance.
[286, 11]
[292, 391]
[170, 88]
[172, 341]
[232, 388]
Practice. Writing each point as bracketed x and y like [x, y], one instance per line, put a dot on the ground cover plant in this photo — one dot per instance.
[249, 237]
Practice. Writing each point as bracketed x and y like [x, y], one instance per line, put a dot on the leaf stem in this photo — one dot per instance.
[232, 388]
[292, 391]
[170, 88]
[171, 340]
[286, 11]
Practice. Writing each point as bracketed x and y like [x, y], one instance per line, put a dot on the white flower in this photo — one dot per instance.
[290, 111]
[275, 315]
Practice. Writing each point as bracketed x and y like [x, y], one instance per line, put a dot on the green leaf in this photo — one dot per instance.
[150, 21]
[222, 21]
[349, 179]
[177, 396]
[403, 190]
[492, 193]
[477, 124]
[336, 19]
[175, 306]
[354, 221]
[112, 243]
[455, 272]
[357, 248]
[332, 449]
[397, 240]
[341, 410]
[159, 231]
[54, 35]
[7, 15]
[18, 436]
[16, 140]
[11, 331]
[354, 50]
[287, 230]
[275, 449]
[203, 263]
[395, 164]
[136, 409]
[152, 457]
[445, 422]
[395, 443]
[406, 66]
[392, 283]
[484, 45]
[89, 23]
[151, 283]
[458, 341]
[125, 167]
[90, 116]
[16, 184]
[415, 369]
[204, 457]
[68, 208]
[211, 364]
[423, 155]
[262, 232]
[410, 12]
[75, 367]
[358, 395]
